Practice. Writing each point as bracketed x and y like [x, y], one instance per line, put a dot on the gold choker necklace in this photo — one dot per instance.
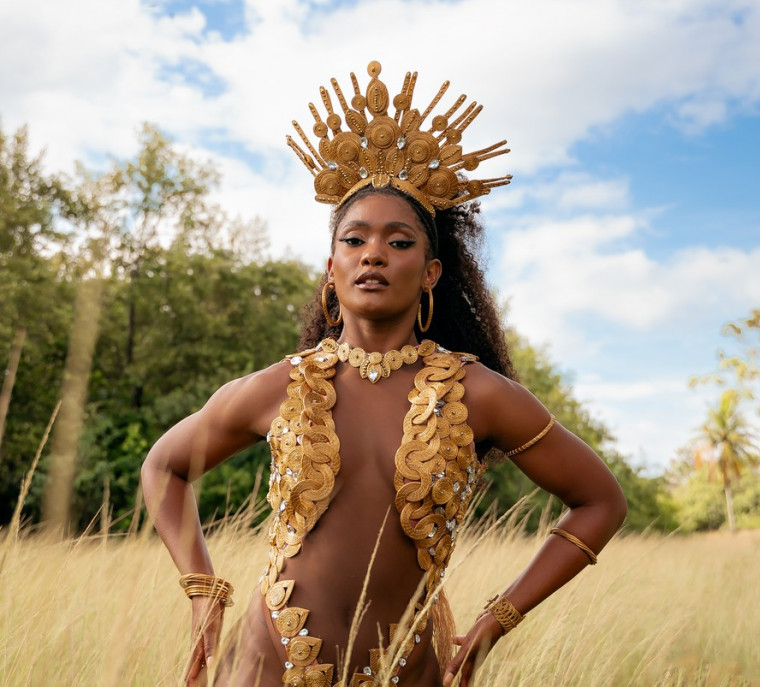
[376, 366]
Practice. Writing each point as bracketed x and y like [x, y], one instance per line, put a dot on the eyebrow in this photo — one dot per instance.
[357, 223]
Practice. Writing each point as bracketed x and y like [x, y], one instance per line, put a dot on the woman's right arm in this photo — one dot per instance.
[224, 426]
[235, 417]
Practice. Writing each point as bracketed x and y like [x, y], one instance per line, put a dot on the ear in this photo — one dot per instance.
[329, 268]
[432, 274]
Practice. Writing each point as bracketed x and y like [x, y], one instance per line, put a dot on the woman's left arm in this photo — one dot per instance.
[505, 415]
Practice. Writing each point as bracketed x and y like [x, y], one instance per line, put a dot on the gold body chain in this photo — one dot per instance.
[435, 472]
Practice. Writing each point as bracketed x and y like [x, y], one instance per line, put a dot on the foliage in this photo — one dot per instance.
[190, 300]
[35, 293]
[701, 506]
[726, 446]
[187, 306]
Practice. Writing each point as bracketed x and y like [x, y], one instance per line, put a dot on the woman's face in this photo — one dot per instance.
[379, 263]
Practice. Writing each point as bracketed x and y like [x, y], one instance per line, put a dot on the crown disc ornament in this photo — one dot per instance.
[368, 146]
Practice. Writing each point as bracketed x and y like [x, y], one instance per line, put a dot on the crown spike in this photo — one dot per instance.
[339, 93]
[470, 118]
[404, 98]
[333, 119]
[380, 149]
[455, 106]
[444, 87]
[311, 148]
[302, 156]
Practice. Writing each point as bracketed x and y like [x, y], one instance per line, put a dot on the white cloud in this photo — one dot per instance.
[555, 270]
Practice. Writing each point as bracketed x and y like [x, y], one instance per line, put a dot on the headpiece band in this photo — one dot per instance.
[393, 151]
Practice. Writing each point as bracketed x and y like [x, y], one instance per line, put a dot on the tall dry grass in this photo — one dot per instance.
[655, 611]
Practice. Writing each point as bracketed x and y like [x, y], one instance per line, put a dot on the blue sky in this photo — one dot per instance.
[631, 231]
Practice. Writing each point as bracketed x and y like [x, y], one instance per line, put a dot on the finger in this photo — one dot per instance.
[455, 664]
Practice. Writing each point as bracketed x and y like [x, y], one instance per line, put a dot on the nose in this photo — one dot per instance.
[373, 255]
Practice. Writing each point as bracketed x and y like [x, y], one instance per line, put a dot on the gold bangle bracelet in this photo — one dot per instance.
[501, 608]
[574, 540]
[200, 584]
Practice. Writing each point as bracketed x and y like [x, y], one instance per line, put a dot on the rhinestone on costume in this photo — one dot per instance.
[456, 487]
[363, 142]
[363, 173]
[304, 632]
[285, 640]
[332, 164]
[402, 661]
[400, 143]
[367, 670]
[296, 360]
[403, 175]
[434, 164]
[275, 614]
[289, 665]
[394, 679]
[432, 532]
[373, 375]
[416, 638]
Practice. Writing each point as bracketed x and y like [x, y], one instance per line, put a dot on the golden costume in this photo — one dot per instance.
[435, 469]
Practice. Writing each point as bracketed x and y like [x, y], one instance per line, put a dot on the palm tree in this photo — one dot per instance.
[728, 444]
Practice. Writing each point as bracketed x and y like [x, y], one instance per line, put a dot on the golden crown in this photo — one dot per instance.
[393, 151]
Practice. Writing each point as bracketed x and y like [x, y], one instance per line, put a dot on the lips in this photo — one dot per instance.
[371, 279]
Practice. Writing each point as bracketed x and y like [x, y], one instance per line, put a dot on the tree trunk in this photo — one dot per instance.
[730, 509]
[10, 378]
[66, 432]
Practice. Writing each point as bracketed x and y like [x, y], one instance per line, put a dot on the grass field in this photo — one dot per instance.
[655, 611]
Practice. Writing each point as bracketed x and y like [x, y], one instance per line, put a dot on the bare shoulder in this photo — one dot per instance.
[253, 399]
[501, 412]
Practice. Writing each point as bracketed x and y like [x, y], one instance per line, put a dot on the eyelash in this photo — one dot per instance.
[398, 243]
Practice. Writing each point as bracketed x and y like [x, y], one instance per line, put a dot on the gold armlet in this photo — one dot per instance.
[574, 540]
[198, 584]
[501, 608]
[534, 440]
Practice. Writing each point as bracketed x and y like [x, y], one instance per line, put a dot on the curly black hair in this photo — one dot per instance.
[466, 317]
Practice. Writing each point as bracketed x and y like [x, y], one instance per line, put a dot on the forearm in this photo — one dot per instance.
[171, 503]
[559, 560]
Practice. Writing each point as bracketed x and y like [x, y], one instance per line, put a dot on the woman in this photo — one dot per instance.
[370, 481]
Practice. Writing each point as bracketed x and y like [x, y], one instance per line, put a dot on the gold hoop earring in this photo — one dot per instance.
[332, 323]
[430, 311]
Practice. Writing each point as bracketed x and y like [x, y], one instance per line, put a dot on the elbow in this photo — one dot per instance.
[618, 507]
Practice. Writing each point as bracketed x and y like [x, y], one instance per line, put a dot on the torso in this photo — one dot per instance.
[329, 557]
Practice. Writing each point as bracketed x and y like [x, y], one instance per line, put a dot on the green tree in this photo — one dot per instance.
[726, 444]
[35, 297]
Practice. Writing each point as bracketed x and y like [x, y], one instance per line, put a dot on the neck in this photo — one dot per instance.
[375, 336]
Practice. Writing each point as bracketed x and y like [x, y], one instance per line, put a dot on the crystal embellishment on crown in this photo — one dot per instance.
[383, 150]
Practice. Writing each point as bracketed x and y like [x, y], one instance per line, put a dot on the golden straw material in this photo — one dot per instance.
[381, 149]
[534, 440]
[326, 310]
[376, 366]
[501, 608]
[429, 292]
[200, 584]
[574, 540]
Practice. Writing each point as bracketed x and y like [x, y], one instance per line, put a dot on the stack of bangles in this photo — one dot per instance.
[501, 608]
[198, 584]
